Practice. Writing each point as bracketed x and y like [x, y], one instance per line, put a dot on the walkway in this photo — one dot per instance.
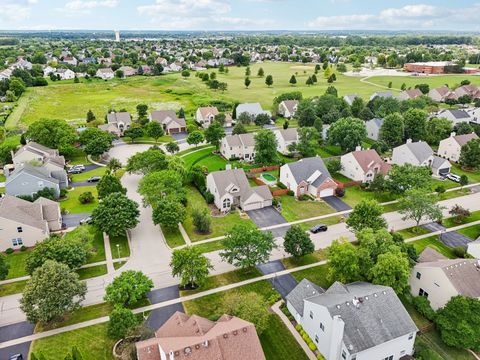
[108, 254]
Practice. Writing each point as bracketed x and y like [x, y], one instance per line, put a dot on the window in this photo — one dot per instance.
[19, 229]
[322, 327]
[17, 242]
[344, 354]
[311, 314]
[389, 357]
[226, 203]
[418, 275]
[422, 292]
[316, 338]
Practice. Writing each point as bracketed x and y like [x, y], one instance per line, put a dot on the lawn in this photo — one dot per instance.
[293, 209]
[316, 256]
[450, 222]
[434, 342]
[276, 340]
[435, 244]
[433, 81]
[413, 231]
[84, 176]
[173, 237]
[12, 288]
[78, 158]
[73, 206]
[220, 225]
[90, 272]
[473, 232]
[317, 275]
[92, 342]
[210, 246]
[123, 247]
[17, 261]
[96, 246]
[355, 194]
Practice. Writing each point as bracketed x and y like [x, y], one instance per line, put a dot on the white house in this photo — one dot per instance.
[439, 278]
[363, 165]
[473, 248]
[105, 74]
[241, 146]
[251, 109]
[420, 154]
[48, 70]
[454, 115]
[357, 321]
[285, 138]
[474, 114]
[308, 176]
[65, 74]
[288, 108]
[231, 188]
[117, 123]
[451, 147]
[373, 127]
[206, 115]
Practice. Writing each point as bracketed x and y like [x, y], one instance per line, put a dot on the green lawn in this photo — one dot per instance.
[473, 232]
[73, 206]
[434, 243]
[96, 246]
[433, 81]
[450, 222]
[213, 162]
[355, 194]
[84, 176]
[123, 246]
[293, 209]
[78, 157]
[417, 318]
[2, 178]
[173, 237]
[210, 246]
[413, 231]
[90, 272]
[317, 275]
[292, 262]
[12, 288]
[434, 342]
[92, 342]
[17, 261]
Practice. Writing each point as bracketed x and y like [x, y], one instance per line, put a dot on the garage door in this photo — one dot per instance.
[253, 206]
[443, 172]
[326, 192]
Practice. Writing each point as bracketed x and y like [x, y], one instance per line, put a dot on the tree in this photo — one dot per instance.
[250, 307]
[307, 141]
[128, 288]
[366, 214]
[159, 185]
[169, 213]
[201, 220]
[109, 184]
[248, 71]
[172, 147]
[121, 322]
[459, 213]
[357, 106]
[86, 197]
[269, 80]
[51, 133]
[133, 132]
[331, 90]
[266, 147]
[463, 128]
[17, 86]
[293, 80]
[261, 73]
[52, 291]
[116, 214]
[113, 165]
[262, 119]
[404, 177]
[90, 116]
[459, 323]
[191, 266]
[119, 74]
[424, 88]
[334, 166]
[309, 81]
[463, 180]
[392, 269]
[214, 134]
[437, 129]
[4, 267]
[142, 110]
[348, 133]
[306, 113]
[195, 138]
[238, 129]
[415, 124]
[392, 130]
[247, 82]
[245, 247]
[418, 204]
[185, 74]
[343, 261]
[147, 161]
[69, 252]
[470, 154]
[154, 130]
[297, 242]
[95, 141]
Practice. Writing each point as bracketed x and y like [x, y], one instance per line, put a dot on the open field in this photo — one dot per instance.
[433, 81]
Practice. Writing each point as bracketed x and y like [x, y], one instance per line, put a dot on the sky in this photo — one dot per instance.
[459, 15]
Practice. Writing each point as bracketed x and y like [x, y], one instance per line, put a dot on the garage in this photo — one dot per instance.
[256, 205]
[443, 172]
[326, 192]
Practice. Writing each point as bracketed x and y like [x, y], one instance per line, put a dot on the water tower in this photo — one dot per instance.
[117, 35]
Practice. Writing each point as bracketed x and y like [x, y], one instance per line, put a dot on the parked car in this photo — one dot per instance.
[74, 170]
[87, 220]
[16, 357]
[318, 228]
[94, 179]
[80, 166]
[453, 177]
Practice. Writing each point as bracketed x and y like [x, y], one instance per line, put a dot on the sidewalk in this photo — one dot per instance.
[108, 254]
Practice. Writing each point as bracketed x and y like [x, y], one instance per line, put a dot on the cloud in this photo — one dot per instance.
[14, 11]
[418, 16]
[85, 7]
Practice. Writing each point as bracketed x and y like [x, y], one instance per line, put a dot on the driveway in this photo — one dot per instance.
[337, 203]
[181, 137]
[15, 331]
[268, 216]
[159, 316]
[284, 283]
[452, 238]
[72, 220]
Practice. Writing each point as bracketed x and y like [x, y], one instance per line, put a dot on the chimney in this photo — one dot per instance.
[358, 148]
[409, 141]
[452, 134]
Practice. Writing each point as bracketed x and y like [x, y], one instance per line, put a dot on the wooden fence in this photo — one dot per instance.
[265, 168]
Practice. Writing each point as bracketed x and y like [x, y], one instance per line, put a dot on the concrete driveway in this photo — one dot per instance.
[268, 216]
[450, 239]
[72, 220]
[284, 283]
[15, 331]
[337, 203]
[159, 316]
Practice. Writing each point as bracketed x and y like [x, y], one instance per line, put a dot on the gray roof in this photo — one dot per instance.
[290, 134]
[302, 291]
[420, 149]
[378, 122]
[304, 168]
[37, 171]
[250, 108]
[36, 148]
[377, 317]
[384, 94]
[290, 104]
[457, 114]
[438, 162]
[247, 139]
[465, 138]
[22, 211]
[166, 117]
[118, 117]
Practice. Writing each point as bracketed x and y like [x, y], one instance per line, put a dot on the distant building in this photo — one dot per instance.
[170, 122]
[288, 108]
[363, 165]
[105, 74]
[373, 128]
[429, 67]
[117, 123]
[117, 35]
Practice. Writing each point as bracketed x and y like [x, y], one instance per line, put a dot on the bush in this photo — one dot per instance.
[304, 197]
[275, 201]
[422, 304]
[121, 322]
[272, 299]
[320, 357]
[201, 219]
[9, 251]
[23, 248]
[440, 189]
[305, 337]
[298, 327]
[209, 198]
[86, 198]
[281, 185]
[63, 192]
[459, 251]
[290, 193]
[312, 346]
[339, 192]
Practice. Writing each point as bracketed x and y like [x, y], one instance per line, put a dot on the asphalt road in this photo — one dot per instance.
[284, 283]
[159, 316]
[72, 220]
[16, 331]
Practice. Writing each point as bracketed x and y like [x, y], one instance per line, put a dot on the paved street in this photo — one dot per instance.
[451, 239]
[283, 283]
[16, 331]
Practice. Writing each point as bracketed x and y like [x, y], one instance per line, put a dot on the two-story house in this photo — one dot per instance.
[206, 115]
[373, 127]
[241, 146]
[285, 138]
[450, 148]
[288, 108]
[117, 123]
[363, 165]
[169, 121]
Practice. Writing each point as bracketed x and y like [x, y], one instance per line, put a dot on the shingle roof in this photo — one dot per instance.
[290, 134]
[250, 108]
[208, 110]
[50, 208]
[23, 211]
[166, 117]
[377, 121]
[247, 139]
[118, 117]
[302, 291]
[373, 314]
[370, 158]
[456, 113]
[37, 171]
[420, 149]
[36, 148]
[465, 138]
[304, 168]
[429, 254]
[290, 105]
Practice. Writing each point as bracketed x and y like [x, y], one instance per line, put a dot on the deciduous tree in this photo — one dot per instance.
[214, 134]
[297, 242]
[154, 130]
[366, 214]
[250, 307]
[418, 204]
[147, 161]
[169, 213]
[392, 269]
[109, 184]
[195, 138]
[116, 214]
[121, 322]
[128, 288]
[343, 261]
[392, 130]
[348, 133]
[191, 266]
[266, 147]
[470, 154]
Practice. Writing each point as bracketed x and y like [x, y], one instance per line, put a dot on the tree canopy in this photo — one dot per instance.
[128, 288]
[191, 266]
[348, 133]
[116, 214]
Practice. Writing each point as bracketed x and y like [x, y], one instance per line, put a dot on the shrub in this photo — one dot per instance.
[281, 185]
[422, 304]
[440, 189]
[23, 248]
[320, 357]
[305, 337]
[275, 201]
[9, 251]
[298, 327]
[121, 322]
[312, 346]
[209, 198]
[63, 192]
[459, 251]
[86, 198]
[272, 299]
[290, 193]
[304, 197]
[339, 192]
[201, 219]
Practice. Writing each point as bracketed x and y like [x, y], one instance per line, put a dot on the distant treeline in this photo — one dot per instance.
[8, 41]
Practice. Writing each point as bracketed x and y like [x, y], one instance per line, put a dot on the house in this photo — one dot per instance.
[308, 176]
[5, 74]
[473, 248]
[358, 321]
[231, 188]
[117, 123]
[169, 120]
[65, 74]
[440, 94]
[420, 154]
[285, 138]
[241, 146]
[469, 90]
[474, 114]
[22, 64]
[288, 108]
[409, 94]
[193, 337]
[105, 74]
[451, 147]
[251, 109]
[206, 115]
[363, 165]
[48, 70]
[69, 60]
[454, 115]
[373, 128]
[382, 94]
[438, 278]
[350, 98]
[35, 152]
[27, 180]
[24, 223]
[128, 71]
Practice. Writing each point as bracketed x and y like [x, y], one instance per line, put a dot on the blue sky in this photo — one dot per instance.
[459, 15]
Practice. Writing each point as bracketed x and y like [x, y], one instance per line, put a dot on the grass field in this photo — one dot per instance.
[433, 81]
[73, 206]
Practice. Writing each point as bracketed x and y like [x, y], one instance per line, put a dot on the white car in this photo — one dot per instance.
[453, 177]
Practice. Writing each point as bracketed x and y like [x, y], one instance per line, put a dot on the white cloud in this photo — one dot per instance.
[85, 7]
[191, 8]
[14, 11]
[418, 16]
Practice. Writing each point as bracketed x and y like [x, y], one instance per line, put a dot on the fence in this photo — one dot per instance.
[342, 185]
[265, 168]
[274, 192]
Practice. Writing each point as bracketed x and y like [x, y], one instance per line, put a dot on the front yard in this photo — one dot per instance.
[293, 209]
[73, 205]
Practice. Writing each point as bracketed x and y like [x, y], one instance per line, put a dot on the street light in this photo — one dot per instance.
[118, 252]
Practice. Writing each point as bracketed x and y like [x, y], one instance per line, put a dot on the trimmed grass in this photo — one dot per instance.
[97, 247]
[434, 243]
[73, 206]
[93, 342]
[292, 262]
[417, 318]
[17, 261]
[90, 272]
[210, 246]
[473, 232]
[12, 288]
[473, 175]
[118, 265]
[173, 238]
[413, 231]
[84, 176]
[293, 209]
[433, 81]
[354, 194]
[450, 222]
[78, 157]
[317, 275]
[123, 246]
